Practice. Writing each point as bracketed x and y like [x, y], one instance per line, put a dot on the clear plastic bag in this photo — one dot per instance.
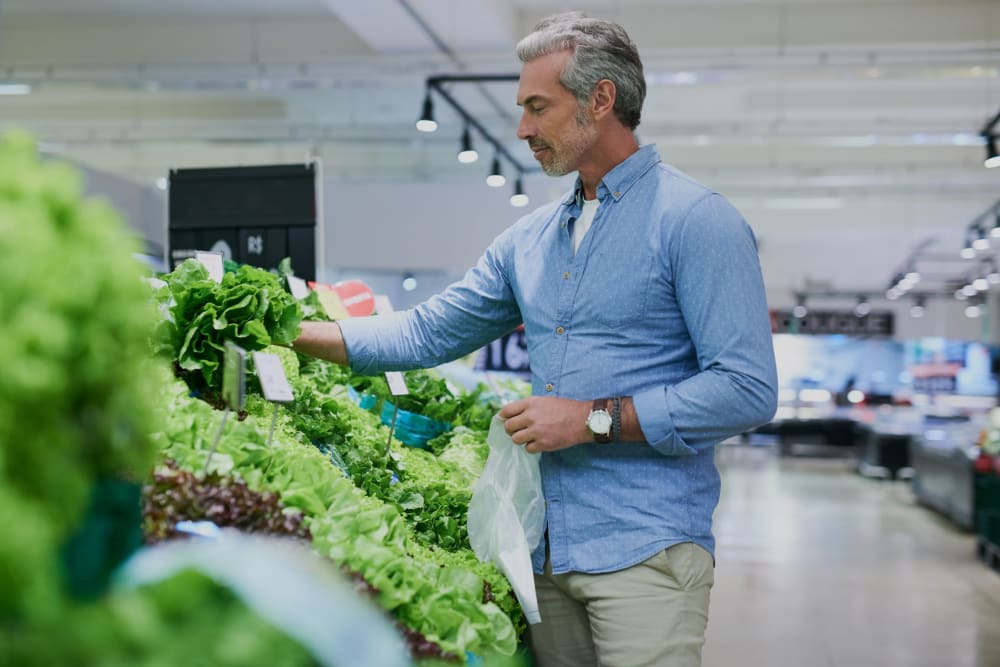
[507, 514]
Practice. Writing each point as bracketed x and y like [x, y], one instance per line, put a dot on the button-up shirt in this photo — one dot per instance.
[664, 302]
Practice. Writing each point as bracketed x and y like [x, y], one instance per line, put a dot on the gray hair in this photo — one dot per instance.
[600, 50]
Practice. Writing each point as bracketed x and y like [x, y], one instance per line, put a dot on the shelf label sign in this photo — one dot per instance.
[212, 261]
[845, 322]
[273, 381]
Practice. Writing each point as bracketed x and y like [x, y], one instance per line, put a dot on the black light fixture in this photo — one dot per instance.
[409, 282]
[518, 199]
[496, 179]
[918, 309]
[980, 238]
[863, 307]
[467, 154]
[426, 123]
[992, 157]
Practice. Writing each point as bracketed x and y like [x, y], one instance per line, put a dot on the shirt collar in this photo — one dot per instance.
[618, 181]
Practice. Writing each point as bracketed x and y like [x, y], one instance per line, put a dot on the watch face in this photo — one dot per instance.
[599, 422]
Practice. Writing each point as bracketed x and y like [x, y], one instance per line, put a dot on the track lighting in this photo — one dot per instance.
[918, 309]
[863, 307]
[467, 154]
[427, 122]
[992, 157]
[518, 199]
[496, 179]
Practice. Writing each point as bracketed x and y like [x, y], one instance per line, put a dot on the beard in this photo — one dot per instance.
[565, 159]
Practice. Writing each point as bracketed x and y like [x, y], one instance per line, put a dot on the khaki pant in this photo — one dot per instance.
[649, 615]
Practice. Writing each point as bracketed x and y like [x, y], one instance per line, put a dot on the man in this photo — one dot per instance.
[649, 342]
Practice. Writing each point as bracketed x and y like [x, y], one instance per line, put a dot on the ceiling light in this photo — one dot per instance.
[467, 154]
[409, 282]
[992, 157]
[518, 199]
[918, 309]
[893, 293]
[863, 307]
[913, 277]
[961, 295]
[972, 311]
[161, 183]
[969, 290]
[981, 243]
[14, 89]
[427, 122]
[981, 284]
[496, 179]
[968, 252]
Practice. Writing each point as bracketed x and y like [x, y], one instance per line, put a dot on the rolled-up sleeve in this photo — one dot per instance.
[720, 291]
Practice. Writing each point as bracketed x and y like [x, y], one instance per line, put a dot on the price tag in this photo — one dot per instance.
[397, 385]
[213, 262]
[331, 304]
[298, 287]
[272, 377]
[234, 380]
[382, 304]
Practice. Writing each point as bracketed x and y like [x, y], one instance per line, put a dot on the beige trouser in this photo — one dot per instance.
[649, 615]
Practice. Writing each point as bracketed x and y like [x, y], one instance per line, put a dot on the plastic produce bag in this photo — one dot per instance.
[507, 514]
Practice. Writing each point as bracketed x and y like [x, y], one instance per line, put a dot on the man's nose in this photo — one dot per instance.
[525, 129]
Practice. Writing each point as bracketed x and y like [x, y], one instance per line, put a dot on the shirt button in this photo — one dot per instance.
[565, 275]
[560, 331]
[618, 194]
[548, 387]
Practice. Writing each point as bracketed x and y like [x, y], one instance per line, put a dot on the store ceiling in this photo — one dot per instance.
[846, 130]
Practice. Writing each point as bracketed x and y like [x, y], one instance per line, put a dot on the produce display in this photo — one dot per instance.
[112, 385]
[78, 409]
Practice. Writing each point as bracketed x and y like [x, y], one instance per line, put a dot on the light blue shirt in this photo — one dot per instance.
[664, 302]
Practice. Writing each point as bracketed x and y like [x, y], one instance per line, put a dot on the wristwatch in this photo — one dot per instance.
[599, 421]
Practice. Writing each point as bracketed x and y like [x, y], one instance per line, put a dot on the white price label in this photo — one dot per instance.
[298, 287]
[397, 385]
[272, 377]
[213, 262]
[382, 304]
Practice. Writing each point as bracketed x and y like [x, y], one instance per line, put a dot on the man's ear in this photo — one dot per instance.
[602, 100]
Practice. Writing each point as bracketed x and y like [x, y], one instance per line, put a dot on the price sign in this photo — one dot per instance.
[234, 377]
[397, 384]
[213, 262]
[298, 287]
[273, 381]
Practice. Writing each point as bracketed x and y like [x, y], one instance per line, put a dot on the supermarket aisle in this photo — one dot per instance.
[820, 567]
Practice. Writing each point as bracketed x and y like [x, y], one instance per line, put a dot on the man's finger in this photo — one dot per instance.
[513, 409]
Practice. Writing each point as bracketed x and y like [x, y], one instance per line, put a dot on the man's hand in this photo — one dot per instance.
[547, 423]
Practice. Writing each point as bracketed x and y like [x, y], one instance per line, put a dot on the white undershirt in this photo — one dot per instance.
[583, 223]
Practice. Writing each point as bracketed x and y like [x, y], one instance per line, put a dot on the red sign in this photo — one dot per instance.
[357, 297]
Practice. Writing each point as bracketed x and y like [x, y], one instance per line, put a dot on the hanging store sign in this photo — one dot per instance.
[844, 322]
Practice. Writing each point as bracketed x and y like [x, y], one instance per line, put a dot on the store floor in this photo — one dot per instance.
[820, 567]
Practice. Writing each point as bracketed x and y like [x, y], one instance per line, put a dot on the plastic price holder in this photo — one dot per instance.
[274, 384]
[212, 261]
[298, 287]
[234, 383]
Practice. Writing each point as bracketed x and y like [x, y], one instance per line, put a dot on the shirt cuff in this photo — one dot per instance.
[652, 408]
[359, 334]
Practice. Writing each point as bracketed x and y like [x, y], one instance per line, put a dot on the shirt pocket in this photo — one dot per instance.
[620, 286]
